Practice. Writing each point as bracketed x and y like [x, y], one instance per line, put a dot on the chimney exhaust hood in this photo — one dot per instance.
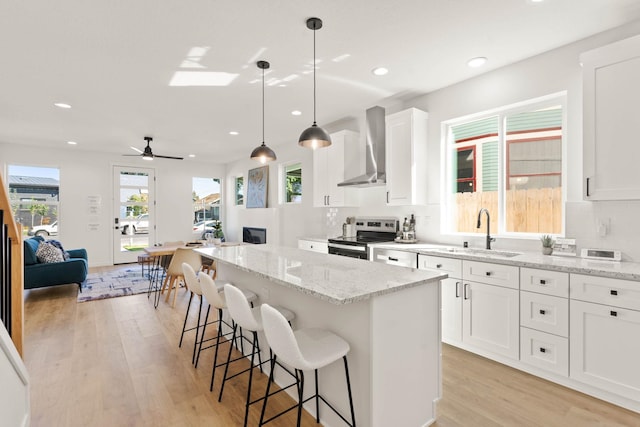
[375, 155]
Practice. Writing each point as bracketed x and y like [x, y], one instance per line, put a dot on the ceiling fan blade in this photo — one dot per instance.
[136, 149]
[132, 155]
[168, 157]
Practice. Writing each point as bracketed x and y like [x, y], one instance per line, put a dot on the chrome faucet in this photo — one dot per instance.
[489, 238]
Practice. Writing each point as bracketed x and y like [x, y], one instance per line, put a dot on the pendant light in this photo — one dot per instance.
[263, 153]
[314, 136]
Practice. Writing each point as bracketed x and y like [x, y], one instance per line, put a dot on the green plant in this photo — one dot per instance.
[547, 241]
[217, 230]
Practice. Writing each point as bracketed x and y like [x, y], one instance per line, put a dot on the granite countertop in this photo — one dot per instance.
[617, 270]
[337, 279]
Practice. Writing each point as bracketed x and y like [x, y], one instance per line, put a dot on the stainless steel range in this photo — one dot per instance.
[368, 230]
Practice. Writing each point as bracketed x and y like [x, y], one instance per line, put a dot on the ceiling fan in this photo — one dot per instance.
[147, 154]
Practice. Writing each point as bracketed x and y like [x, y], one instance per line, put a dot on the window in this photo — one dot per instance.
[292, 183]
[34, 197]
[510, 162]
[206, 202]
[239, 190]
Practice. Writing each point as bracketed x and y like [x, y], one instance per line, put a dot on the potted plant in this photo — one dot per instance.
[547, 244]
[218, 234]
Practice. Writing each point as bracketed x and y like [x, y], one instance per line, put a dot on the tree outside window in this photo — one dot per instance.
[239, 190]
[293, 183]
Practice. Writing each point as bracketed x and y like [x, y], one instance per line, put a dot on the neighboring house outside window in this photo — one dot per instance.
[207, 201]
[511, 163]
[34, 198]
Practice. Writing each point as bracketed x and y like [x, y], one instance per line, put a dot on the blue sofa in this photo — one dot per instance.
[38, 274]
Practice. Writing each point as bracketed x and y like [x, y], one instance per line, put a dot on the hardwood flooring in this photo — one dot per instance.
[116, 362]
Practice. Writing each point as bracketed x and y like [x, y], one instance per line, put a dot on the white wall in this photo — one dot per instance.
[84, 174]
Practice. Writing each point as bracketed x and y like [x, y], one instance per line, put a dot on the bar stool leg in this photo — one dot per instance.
[266, 395]
[195, 343]
[300, 398]
[253, 352]
[346, 370]
[315, 372]
[226, 367]
[215, 357]
[204, 329]
[184, 325]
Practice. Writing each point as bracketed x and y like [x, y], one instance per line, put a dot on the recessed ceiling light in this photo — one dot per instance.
[536, 1]
[72, 143]
[477, 62]
[192, 155]
[233, 132]
[379, 71]
[296, 113]
[62, 105]
[202, 78]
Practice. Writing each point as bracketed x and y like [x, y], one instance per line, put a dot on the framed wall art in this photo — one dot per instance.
[257, 186]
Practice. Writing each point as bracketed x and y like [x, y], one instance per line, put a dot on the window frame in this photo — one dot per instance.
[196, 219]
[449, 176]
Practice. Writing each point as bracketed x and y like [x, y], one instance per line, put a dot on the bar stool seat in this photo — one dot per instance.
[303, 350]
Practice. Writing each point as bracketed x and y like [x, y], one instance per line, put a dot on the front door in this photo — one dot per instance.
[134, 212]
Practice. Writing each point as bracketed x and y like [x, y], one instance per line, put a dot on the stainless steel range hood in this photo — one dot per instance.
[375, 156]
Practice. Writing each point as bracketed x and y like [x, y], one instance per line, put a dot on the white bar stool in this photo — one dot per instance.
[249, 319]
[213, 293]
[303, 350]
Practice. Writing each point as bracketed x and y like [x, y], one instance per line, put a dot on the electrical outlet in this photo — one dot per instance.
[603, 226]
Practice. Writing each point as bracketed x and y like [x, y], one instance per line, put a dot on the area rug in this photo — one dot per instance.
[119, 282]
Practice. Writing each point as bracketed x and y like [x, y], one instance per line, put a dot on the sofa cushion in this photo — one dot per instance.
[58, 245]
[48, 253]
[30, 248]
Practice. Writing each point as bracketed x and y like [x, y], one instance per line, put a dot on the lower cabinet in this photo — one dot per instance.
[451, 297]
[490, 318]
[605, 347]
[546, 351]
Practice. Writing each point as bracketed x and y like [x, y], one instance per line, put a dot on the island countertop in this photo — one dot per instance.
[337, 279]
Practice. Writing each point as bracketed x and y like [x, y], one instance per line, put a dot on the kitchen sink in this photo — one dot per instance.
[480, 252]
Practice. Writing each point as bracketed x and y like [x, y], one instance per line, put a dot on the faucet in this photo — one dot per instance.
[489, 238]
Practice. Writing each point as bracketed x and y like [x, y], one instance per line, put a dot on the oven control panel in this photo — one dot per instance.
[388, 225]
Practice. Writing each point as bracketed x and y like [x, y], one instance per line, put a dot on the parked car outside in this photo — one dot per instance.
[138, 225]
[45, 230]
[204, 227]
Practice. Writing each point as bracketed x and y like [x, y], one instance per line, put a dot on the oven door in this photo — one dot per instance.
[353, 251]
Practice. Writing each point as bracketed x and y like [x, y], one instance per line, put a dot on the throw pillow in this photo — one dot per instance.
[58, 245]
[48, 253]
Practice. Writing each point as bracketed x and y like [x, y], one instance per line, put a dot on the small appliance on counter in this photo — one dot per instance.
[349, 227]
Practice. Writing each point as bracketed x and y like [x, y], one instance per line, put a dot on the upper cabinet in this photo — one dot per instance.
[406, 156]
[611, 125]
[329, 167]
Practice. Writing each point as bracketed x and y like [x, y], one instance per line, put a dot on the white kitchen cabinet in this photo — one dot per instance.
[331, 165]
[450, 294]
[406, 157]
[545, 351]
[490, 318]
[604, 347]
[610, 120]
[313, 245]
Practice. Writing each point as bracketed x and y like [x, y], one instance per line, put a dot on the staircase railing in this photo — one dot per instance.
[11, 272]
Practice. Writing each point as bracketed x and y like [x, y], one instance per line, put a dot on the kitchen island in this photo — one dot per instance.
[390, 316]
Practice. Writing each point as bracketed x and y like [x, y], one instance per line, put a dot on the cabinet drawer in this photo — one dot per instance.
[544, 351]
[312, 245]
[603, 290]
[545, 282]
[493, 274]
[545, 313]
[449, 265]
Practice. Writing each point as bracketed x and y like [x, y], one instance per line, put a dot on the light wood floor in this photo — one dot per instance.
[116, 362]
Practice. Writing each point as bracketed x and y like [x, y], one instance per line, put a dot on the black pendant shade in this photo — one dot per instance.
[263, 153]
[314, 137]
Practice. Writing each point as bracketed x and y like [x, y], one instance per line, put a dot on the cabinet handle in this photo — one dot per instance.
[387, 197]
[438, 265]
[614, 313]
[328, 200]
[543, 350]
[457, 289]
[488, 273]
[543, 282]
[543, 312]
[588, 186]
[393, 259]
[613, 292]
[466, 286]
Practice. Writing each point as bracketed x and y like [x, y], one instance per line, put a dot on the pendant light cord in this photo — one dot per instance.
[314, 74]
[263, 106]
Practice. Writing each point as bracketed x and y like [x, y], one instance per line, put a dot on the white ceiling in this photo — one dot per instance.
[113, 61]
